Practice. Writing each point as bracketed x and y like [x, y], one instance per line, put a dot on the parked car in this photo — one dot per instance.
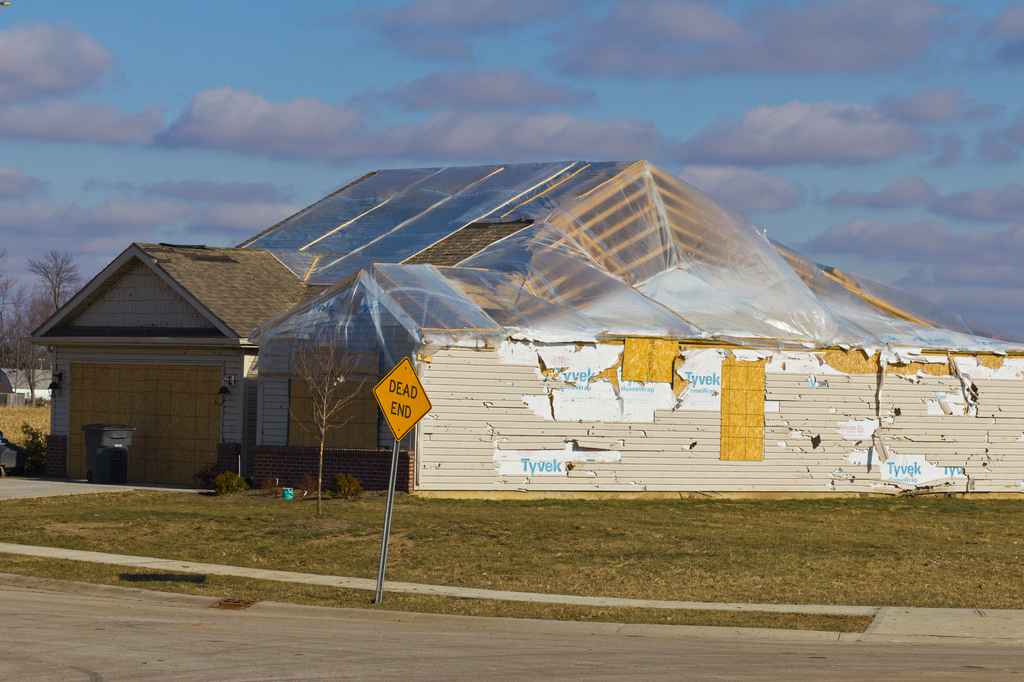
[12, 457]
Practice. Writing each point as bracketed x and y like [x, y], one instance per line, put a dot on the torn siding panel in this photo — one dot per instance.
[478, 407]
[577, 360]
[563, 461]
[584, 382]
[946, 441]
[980, 367]
[702, 372]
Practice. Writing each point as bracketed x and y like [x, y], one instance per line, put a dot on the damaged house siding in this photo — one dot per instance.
[819, 433]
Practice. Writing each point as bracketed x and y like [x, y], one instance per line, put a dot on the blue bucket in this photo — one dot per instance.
[287, 493]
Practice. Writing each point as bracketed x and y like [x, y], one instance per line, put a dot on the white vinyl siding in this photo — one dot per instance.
[478, 405]
[140, 299]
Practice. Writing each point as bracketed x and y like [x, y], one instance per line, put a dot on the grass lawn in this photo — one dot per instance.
[262, 590]
[937, 552]
[11, 419]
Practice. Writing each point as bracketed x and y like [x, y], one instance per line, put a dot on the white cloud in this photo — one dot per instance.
[681, 39]
[517, 137]
[971, 274]
[902, 193]
[804, 133]
[1000, 204]
[43, 60]
[236, 120]
[248, 124]
[487, 90]
[446, 29]
[935, 105]
[15, 184]
[744, 189]
[68, 121]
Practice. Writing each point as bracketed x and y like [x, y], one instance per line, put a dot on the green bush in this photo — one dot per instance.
[204, 477]
[348, 487]
[229, 483]
[269, 486]
[308, 483]
[35, 449]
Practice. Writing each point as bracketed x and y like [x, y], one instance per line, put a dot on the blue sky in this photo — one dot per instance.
[883, 137]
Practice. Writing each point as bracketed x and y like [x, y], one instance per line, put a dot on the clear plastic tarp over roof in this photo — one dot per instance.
[610, 250]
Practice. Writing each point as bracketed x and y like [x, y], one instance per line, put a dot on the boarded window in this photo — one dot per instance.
[742, 410]
[357, 422]
[649, 360]
[354, 426]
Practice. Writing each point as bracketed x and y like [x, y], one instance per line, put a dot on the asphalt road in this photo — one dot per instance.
[96, 633]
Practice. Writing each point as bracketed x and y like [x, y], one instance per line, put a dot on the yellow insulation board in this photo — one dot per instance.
[646, 360]
[743, 385]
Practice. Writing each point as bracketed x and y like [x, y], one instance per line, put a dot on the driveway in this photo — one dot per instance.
[15, 487]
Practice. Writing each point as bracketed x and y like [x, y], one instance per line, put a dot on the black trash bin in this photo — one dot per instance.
[107, 448]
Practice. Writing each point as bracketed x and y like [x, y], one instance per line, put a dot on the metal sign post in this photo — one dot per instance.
[403, 402]
[382, 566]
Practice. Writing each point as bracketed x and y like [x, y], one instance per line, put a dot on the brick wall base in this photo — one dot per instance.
[289, 465]
[56, 456]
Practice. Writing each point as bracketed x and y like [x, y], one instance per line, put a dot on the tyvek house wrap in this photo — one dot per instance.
[630, 252]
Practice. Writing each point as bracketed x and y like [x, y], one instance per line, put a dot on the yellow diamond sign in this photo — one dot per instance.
[402, 399]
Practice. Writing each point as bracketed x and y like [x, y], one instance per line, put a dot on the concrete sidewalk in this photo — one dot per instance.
[999, 626]
[193, 567]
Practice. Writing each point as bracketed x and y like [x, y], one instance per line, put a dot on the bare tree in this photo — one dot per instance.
[6, 311]
[58, 274]
[29, 309]
[334, 378]
[22, 310]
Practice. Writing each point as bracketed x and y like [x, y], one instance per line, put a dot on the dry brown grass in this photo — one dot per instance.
[264, 590]
[11, 419]
[937, 552]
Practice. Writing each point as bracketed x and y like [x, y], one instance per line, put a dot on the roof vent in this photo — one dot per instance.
[211, 258]
[183, 246]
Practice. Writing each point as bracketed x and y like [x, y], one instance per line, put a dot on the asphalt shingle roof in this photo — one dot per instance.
[242, 287]
[466, 242]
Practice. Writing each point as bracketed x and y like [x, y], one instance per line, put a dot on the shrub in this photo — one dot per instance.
[269, 486]
[347, 486]
[204, 478]
[308, 483]
[229, 483]
[35, 449]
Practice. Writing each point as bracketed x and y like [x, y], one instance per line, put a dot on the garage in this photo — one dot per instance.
[159, 340]
[173, 407]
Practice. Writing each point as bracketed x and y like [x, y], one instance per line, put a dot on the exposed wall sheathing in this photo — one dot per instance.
[355, 425]
[743, 385]
[647, 360]
[479, 409]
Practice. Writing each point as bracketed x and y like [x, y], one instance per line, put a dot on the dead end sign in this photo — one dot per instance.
[401, 397]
